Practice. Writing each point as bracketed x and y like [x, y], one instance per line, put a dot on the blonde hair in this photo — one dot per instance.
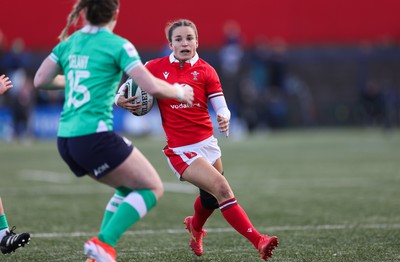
[97, 12]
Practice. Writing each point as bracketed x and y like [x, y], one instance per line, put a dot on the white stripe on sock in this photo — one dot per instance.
[3, 232]
[137, 202]
[228, 204]
[114, 203]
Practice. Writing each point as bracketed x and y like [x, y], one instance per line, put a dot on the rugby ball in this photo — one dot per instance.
[143, 98]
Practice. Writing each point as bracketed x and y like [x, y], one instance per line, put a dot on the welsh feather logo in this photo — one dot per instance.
[195, 74]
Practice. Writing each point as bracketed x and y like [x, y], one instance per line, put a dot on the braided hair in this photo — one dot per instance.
[97, 12]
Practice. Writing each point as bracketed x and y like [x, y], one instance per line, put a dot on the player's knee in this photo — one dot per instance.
[207, 200]
[158, 191]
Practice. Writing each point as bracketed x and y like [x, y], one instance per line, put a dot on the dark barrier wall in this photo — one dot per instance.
[297, 21]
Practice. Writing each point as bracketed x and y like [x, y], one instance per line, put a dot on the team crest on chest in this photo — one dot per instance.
[195, 74]
[166, 74]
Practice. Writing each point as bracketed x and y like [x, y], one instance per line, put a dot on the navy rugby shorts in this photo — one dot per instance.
[96, 154]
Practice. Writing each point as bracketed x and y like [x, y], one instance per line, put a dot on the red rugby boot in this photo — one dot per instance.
[266, 245]
[99, 251]
[196, 238]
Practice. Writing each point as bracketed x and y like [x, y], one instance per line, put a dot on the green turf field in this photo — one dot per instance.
[330, 195]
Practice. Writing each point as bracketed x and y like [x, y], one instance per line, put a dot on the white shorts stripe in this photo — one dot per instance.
[173, 169]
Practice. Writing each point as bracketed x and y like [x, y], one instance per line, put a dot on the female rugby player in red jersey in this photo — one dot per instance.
[192, 150]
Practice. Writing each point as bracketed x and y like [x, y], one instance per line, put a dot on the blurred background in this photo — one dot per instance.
[283, 64]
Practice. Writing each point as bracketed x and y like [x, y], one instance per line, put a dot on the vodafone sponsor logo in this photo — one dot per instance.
[181, 105]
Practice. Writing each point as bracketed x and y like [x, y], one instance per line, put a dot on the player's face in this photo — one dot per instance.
[184, 43]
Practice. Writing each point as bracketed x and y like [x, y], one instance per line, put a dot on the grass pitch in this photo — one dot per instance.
[329, 195]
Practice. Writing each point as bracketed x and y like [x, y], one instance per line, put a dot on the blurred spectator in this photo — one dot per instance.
[378, 97]
[260, 63]
[50, 97]
[16, 58]
[231, 67]
[373, 104]
[2, 51]
[21, 96]
[249, 103]
[268, 71]
[2, 67]
[278, 65]
[392, 103]
[21, 108]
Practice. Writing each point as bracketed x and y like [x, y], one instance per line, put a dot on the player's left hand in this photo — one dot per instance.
[223, 124]
[126, 103]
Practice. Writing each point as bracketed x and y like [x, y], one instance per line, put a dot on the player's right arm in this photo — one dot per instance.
[159, 88]
[49, 75]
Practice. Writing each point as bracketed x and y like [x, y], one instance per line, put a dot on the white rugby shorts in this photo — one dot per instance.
[179, 158]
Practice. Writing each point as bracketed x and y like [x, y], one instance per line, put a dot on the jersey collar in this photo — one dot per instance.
[192, 61]
[92, 29]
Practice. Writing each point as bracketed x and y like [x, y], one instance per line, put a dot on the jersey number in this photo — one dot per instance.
[78, 94]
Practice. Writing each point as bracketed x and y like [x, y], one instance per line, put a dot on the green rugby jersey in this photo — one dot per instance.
[92, 60]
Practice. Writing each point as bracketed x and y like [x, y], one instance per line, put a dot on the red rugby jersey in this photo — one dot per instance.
[184, 124]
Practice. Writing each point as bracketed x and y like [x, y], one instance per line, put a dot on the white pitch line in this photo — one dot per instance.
[64, 178]
[45, 176]
[180, 188]
[226, 230]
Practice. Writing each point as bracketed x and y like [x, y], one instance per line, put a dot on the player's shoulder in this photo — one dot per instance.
[203, 63]
[116, 44]
[157, 62]
[112, 39]
[205, 66]
[116, 37]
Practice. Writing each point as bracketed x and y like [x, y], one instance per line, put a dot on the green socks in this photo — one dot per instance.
[122, 212]
[113, 205]
[3, 222]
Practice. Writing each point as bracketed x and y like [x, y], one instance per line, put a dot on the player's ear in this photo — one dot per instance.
[116, 14]
[170, 46]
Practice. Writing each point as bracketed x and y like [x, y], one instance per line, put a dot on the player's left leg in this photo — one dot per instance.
[205, 176]
[9, 240]
[113, 204]
[138, 188]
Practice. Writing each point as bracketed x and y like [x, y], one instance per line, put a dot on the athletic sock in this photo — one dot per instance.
[239, 220]
[113, 205]
[135, 206]
[3, 226]
[200, 215]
